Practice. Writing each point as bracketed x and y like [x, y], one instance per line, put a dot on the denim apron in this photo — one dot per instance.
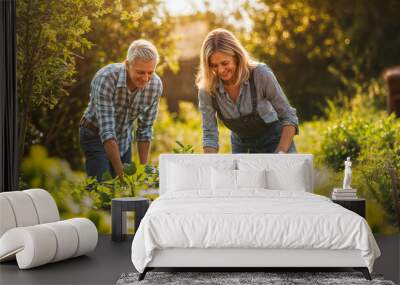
[250, 133]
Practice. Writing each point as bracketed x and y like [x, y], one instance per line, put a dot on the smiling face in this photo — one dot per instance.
[224, 66]
[139, 72]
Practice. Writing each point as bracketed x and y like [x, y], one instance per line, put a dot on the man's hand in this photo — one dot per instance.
[143, 151]
[113, 155]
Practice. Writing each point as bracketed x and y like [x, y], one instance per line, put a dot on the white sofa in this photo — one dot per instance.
[31, 231]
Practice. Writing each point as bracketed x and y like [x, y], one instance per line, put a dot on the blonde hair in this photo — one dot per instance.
[223, 41]
[142, 49]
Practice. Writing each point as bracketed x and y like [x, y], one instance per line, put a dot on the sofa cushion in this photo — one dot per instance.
[46, 207]
[40, 244]
[7, 220]
[24, 211]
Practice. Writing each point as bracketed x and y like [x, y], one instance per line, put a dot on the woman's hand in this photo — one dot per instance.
[208, 149]
[288, 132]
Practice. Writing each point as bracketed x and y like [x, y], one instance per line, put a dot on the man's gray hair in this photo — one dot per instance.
[142, 49]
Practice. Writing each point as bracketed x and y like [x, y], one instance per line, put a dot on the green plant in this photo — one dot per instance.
[38, 170]
[380, 166]
[136, 178]
[359, 128]
[379, 179]
[50, 35]
[338, 142]
[183, 148]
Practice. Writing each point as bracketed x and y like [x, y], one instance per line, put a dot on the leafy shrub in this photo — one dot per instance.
[379, 167]
[341, 140]
[38, 170]
[361, 129]
[377, 179]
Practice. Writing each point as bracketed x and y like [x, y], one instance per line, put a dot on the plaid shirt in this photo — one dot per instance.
[272, 104]
[113, 108]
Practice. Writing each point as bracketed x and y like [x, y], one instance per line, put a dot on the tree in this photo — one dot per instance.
[49, 34]
[319, 48]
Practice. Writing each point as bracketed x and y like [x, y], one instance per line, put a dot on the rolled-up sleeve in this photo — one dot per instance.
[146, 120]
[210, 126]
[274, 93]
[102, 92]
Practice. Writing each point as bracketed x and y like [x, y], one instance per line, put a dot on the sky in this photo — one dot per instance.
[185, 7]
[182, 7]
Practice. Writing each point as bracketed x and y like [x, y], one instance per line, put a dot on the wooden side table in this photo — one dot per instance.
[356, 205]
[119, 207]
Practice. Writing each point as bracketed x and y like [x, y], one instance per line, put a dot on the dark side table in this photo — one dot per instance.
[119, 207]
[356, 205]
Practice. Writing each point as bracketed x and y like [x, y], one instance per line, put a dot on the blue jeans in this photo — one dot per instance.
[265, 143]
[97, 162]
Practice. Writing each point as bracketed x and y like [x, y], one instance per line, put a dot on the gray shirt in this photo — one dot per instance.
[272, 104]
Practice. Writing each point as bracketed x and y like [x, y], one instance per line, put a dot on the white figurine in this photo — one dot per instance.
[347, 174]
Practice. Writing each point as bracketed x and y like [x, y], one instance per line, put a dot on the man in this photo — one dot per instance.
[120, 93]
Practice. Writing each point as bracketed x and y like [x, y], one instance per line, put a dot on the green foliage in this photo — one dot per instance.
[379, 176]
[183, 148]
[49, 36]
[317, 48]
[136, 179]
[357, 128]
[339, 142]
[38, 170]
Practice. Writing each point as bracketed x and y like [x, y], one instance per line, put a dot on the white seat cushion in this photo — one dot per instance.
[7, 220]
[87, 235]
[40, 244]
[67, 239]
[33, 246]
[45, 205]
[23, 208]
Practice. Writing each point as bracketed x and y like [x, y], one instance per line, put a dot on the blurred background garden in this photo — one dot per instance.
[336, 61]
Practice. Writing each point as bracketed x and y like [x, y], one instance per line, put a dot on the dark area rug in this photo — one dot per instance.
[230, 278]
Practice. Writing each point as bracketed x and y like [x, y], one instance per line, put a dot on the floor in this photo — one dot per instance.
[111, 259]
[102, 266]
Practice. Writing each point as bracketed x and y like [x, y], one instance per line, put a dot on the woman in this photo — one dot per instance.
[246, 97]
